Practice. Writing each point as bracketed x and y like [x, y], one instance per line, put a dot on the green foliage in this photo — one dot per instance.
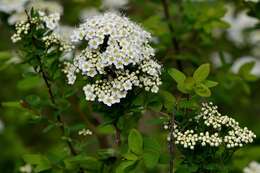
[41, 113]
[198, 83]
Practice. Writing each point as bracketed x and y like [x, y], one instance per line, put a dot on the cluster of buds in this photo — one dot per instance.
[42, 21]
[117, 58]
[226, 131]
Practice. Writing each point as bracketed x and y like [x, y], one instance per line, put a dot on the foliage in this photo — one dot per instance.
[49, 124]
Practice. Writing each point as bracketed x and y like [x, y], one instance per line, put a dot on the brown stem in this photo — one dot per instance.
[51, 96]
[176, 46]
[117, 136]
[171, 143]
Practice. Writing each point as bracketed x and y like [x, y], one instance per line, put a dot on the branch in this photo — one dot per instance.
[171, 143]
[174, 41]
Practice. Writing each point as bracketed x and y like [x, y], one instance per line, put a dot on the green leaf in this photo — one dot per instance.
[122, 168]
[14, 104]
[5, 55]
[202, 90]
[106, 129]
[177, 75]
[201, 73]
[41, 162]
[135, 142]
[86, 162]
[130, 156]
[189, 83]
[245, 71]
[151, 152]
[210, 83]
[151, 158]
[246, 68]
[29, 83]
[168, 100]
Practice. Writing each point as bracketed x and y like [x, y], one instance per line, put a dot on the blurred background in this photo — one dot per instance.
[224, 33]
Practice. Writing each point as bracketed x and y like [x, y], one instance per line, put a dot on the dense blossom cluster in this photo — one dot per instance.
[42, 21]
[227, 131]
[253, 167]
[117, 58]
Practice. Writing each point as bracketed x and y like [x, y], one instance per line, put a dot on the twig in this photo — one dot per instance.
[117, 136]
[171, 143]
[51, 96]
[175, 43]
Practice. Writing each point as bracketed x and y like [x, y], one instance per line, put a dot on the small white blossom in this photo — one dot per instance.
[253, 167]
[117, 58]
[9, 6]
[114, 4]
[85, 132]
[26, 168]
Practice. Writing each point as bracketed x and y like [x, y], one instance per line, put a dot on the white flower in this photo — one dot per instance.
[47, 6]
[85, 132]
[255, 1]
[51, 20]
[253, 167]
[118, 51]
[246, 59]
[238, 23]
[88, 12]
[114, 4]
[9, 6]
[232, 137]
[26, 168]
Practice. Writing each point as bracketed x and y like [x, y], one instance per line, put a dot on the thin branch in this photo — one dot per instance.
[171, 143]
[51, 96]
[176, 46]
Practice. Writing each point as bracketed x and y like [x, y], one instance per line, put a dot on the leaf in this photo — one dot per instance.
[124, 166]
[201, 73]
[42, 163]
[245, 71]
[86, 162]
[210, 83]
[135, 142]
[151, 158]
[14, 104]
[168, 100]
[202, 90]
[151, 152]
[130, 156]
[5, 55]
[29, 83]
[189, 83]
[177, 75]
[106, 129]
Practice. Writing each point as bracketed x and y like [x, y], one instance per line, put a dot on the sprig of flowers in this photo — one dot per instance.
[221, 130]
[117, 58]
[45, 23]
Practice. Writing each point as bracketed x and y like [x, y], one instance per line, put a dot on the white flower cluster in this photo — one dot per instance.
[43, 21]
[85, 132]
[253, 167]
[51, 20]
[117, 58]
[9, 6]
[209, 115]
[22, 28]
[55, 39]
[26, 168]
[255, 1]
